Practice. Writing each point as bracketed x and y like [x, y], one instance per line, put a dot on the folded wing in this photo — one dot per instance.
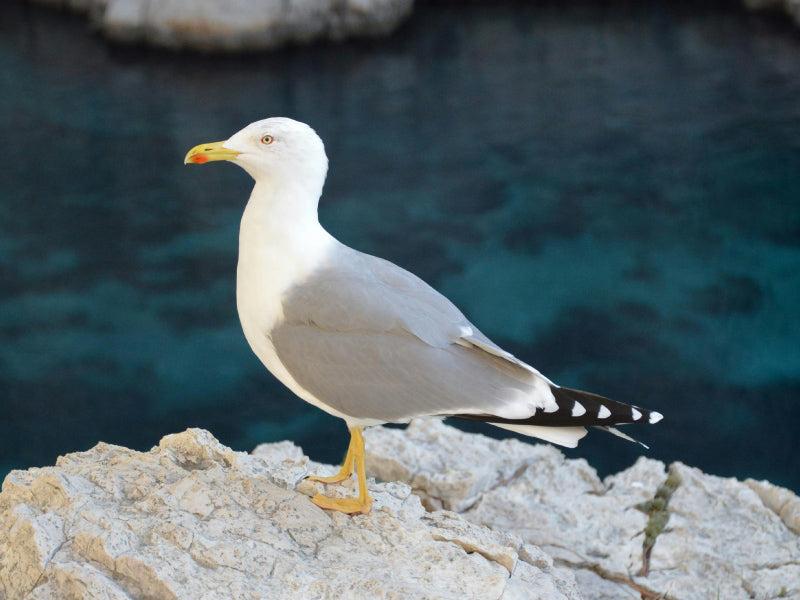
[378, 344]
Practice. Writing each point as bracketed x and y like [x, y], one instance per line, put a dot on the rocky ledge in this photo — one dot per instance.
[237, 25]
[455, 516]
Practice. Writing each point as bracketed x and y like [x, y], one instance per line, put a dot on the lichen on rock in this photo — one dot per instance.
[657, 511]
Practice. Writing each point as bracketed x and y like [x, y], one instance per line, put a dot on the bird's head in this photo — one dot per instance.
[272, 150]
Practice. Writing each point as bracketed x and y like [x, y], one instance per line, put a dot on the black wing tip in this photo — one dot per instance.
[599, 410]
[576, 407]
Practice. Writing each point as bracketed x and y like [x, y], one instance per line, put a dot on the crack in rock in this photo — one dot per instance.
[716, 525]
[657, 511]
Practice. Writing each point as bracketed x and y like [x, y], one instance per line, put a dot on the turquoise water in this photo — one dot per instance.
[612, 193]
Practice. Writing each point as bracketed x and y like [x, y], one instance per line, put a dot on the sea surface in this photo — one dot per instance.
[612, 192]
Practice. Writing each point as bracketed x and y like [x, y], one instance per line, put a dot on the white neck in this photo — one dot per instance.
[280, 243]
[282, 213]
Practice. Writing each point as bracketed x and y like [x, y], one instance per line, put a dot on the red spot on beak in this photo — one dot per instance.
[199, 159]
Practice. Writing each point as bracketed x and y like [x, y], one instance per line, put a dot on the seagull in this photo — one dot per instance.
[363, 339]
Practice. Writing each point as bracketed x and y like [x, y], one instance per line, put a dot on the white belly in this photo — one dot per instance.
[256, 331]
[269, 264]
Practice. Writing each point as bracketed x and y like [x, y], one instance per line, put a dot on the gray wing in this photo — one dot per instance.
[373, 341]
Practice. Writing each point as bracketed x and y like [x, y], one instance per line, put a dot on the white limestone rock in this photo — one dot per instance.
[723, 539]
[238, 25]
[194, 520]
[780, 500]
[426, 456]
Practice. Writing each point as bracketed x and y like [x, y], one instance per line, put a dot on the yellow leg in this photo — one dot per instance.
[345, 472]
[363, 503]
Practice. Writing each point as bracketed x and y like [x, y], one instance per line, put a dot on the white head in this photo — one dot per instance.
[276, 151]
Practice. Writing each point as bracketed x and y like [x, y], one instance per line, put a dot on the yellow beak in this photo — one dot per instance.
[204, 153]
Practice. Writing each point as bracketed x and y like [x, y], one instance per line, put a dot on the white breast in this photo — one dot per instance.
[274, 255]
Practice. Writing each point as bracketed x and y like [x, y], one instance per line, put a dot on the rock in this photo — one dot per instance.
[418, 456]
[192, 519]
[780, 501]
[238, 25]
[723, 539]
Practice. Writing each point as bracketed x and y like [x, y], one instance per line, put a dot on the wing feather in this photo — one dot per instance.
[377, 343]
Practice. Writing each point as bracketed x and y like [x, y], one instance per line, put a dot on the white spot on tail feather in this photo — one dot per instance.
[635, 414]
[655, 417]
[578, 410]
[603, 413]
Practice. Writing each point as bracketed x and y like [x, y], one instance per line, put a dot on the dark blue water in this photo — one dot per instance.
[613, 193]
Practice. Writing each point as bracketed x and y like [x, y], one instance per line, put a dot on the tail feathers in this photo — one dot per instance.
[576, 407]
[575, 411]
[624, 436]
[562, 436]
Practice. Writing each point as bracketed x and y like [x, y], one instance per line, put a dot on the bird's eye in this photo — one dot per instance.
[267, 139]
